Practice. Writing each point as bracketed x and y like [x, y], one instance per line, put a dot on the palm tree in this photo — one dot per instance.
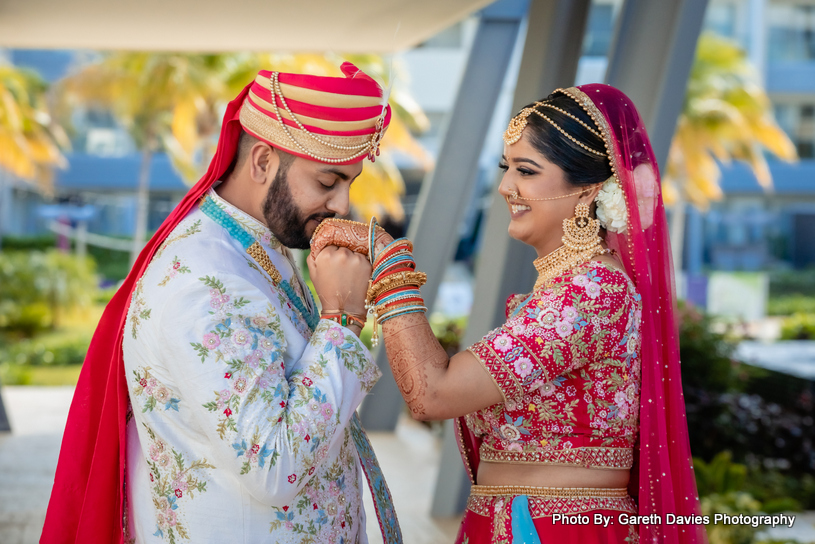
[29, 142]
[165, 100]
[726, 116]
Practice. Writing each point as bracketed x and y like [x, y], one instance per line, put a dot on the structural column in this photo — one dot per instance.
[650, 60]
[552, 46]
[5, 200]
[443, 197]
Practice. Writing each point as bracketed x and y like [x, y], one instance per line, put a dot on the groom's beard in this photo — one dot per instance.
[282, 215]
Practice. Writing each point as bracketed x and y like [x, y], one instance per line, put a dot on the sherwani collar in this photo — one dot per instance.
[256, 228]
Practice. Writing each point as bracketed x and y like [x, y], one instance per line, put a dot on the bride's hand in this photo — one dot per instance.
[347, 234]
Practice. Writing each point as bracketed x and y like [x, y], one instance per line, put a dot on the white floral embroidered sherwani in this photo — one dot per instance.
[239, 429]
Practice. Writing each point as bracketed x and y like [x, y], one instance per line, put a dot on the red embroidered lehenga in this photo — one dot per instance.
[589, 370]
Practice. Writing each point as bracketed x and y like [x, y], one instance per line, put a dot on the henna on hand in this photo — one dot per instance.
[413, 353]
[348, 234]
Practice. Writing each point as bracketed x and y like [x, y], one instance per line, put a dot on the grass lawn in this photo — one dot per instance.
[39, 375]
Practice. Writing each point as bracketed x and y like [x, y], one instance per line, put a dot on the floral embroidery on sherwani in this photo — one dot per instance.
[567, 362]
[263, 399]
[333, 497]
[174, 481]
[175, 268]
[184, 230]
[155, 392]
[138, 311]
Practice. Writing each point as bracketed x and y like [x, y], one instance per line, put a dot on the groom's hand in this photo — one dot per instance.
[340, 277]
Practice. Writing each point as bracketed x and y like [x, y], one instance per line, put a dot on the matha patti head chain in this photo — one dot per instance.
[518, 123]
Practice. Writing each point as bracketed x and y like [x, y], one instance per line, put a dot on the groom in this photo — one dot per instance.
[215, 405]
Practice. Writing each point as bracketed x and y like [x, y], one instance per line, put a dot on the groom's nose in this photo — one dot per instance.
[340, 202]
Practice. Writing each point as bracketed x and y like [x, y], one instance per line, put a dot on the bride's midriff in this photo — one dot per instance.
[528, 474]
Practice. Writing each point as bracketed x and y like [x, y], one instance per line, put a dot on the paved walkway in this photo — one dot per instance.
[794, 357]
[410, 460]
[28, 458]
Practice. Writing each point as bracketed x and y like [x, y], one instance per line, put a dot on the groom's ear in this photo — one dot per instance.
[263, 163]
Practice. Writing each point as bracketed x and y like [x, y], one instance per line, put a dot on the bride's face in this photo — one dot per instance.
[529, 174]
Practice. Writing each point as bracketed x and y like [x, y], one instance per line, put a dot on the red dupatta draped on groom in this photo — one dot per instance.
[662, 478]
[87, 498]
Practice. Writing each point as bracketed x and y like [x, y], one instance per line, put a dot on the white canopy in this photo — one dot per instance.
[342, 26]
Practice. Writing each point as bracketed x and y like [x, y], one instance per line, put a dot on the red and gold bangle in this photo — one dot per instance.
[403, 248]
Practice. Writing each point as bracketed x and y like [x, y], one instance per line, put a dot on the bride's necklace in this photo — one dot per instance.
[256, 251]
[561, 260]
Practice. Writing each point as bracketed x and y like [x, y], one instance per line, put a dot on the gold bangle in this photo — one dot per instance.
[375, 293]
[403, 278]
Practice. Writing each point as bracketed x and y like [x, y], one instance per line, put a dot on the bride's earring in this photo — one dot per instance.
[581, 232]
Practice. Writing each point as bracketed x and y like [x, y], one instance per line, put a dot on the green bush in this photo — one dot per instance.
[779, 492]
[792, 282]
[731, 503]
[449, 332]
[798, 327]
[113, 265]
[720, 475]
[721, 489]
[763, 417]
[28, 243]
[791, 304]
[706, 355]
[46, 350]
[38, 287]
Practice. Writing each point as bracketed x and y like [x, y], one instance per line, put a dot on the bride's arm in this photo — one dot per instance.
[434, 385]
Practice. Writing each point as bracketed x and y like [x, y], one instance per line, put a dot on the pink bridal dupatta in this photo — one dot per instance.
[662, 478]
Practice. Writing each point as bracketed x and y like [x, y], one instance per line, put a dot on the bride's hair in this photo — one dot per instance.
[580, 166]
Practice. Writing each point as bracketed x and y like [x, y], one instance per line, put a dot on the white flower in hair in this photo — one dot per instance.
[611, 210]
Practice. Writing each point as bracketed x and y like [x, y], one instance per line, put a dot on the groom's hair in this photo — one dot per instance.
[245, 143]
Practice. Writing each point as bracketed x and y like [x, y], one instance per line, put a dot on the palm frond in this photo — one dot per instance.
[727, 116]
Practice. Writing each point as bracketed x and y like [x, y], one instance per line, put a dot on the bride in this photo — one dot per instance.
[570, 416]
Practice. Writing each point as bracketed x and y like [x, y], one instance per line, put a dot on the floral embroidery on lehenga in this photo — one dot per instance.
[173, 482]
[156, 393]
[567, 361]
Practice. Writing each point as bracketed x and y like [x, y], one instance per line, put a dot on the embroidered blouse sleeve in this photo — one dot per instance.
[269, 424]
[554, 333]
